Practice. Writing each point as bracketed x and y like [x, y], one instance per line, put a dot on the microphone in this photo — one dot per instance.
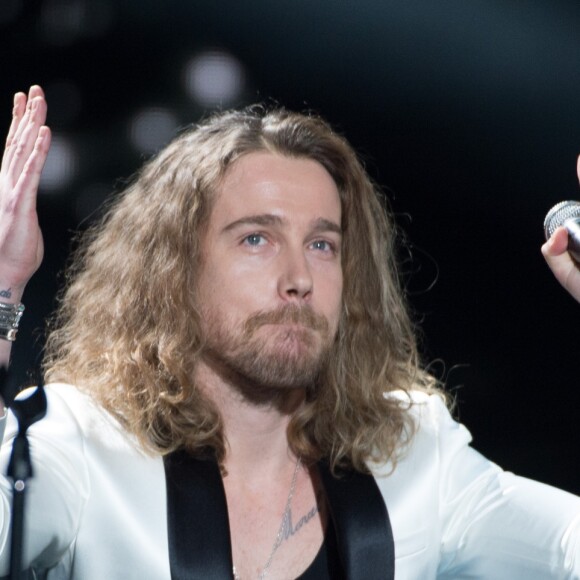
[567, 214]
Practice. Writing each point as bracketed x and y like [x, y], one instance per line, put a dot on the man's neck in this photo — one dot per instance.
[255, 428]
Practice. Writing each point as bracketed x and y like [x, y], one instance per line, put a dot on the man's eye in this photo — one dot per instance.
[254, 240]
[322, 245]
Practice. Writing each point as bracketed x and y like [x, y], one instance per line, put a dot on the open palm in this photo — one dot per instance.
[21, 246]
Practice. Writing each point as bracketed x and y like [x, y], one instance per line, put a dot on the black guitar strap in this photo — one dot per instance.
[199, 532]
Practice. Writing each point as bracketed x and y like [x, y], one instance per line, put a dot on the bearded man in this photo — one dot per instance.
[235, 389]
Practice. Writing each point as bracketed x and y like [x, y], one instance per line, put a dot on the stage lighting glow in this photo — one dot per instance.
[152, 128]
[60, 166]
[214, 78]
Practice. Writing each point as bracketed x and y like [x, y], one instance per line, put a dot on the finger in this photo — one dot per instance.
[17, 144]
[17, 113]
[557, 244]
[27, 186]
[562, 266]
[25, 139]
[24, 117]
[35, 91]
[560, 262]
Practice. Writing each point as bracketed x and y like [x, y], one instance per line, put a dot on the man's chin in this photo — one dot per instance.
[292, 367]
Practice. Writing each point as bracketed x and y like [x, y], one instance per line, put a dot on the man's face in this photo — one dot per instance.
[270, 284]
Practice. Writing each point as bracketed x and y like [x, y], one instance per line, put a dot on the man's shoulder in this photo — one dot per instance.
[75, 410]
[428, 408]
[67, 399]
[430, 426]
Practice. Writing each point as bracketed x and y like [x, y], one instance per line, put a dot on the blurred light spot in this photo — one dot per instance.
[214, 78]
[65, 102]
[64, 21]
[60, 166]
[152, 128]
[10, 10]
[88, 204]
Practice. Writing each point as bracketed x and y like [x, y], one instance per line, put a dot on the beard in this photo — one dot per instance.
[290, 354]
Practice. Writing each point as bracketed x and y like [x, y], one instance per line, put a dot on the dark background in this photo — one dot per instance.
[466, 113]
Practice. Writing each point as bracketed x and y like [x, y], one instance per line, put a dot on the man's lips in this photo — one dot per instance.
[291, 317]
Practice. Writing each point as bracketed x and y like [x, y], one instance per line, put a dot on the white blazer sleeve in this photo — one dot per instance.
[495, 524]
[57, 492]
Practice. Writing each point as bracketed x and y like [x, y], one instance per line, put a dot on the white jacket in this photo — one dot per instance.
[96, 507]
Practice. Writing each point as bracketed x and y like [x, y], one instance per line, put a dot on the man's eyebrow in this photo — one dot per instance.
[324, 225]
[265, 219]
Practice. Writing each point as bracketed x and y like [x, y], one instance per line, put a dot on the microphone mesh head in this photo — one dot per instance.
[559, 214]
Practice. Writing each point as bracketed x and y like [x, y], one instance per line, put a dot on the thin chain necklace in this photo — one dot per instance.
[280, 533]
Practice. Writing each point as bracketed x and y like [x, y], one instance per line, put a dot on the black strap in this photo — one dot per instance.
[199, 531]
[197, 519]
[363, 527]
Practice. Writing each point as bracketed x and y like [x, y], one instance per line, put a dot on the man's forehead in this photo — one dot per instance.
[265, 166]
[263, 183]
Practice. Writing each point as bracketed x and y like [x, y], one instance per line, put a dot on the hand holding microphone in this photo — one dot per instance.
[562, 249]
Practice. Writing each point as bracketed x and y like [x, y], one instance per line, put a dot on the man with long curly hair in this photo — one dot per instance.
[235, 389]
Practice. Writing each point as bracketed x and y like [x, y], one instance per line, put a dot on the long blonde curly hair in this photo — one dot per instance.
[127, 330]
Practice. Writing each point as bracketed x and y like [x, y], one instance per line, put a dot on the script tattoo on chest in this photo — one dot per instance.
[288, 527]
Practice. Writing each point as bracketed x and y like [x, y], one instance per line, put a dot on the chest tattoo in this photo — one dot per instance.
[288, 527]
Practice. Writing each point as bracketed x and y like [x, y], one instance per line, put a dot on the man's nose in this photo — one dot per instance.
[295, 282]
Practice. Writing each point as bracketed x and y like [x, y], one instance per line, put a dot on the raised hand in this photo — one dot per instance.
[565, 269]
[21, 246]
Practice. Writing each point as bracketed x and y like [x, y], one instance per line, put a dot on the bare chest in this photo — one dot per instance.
[271, 536]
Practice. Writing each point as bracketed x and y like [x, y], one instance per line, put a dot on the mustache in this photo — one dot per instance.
[303, 315]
